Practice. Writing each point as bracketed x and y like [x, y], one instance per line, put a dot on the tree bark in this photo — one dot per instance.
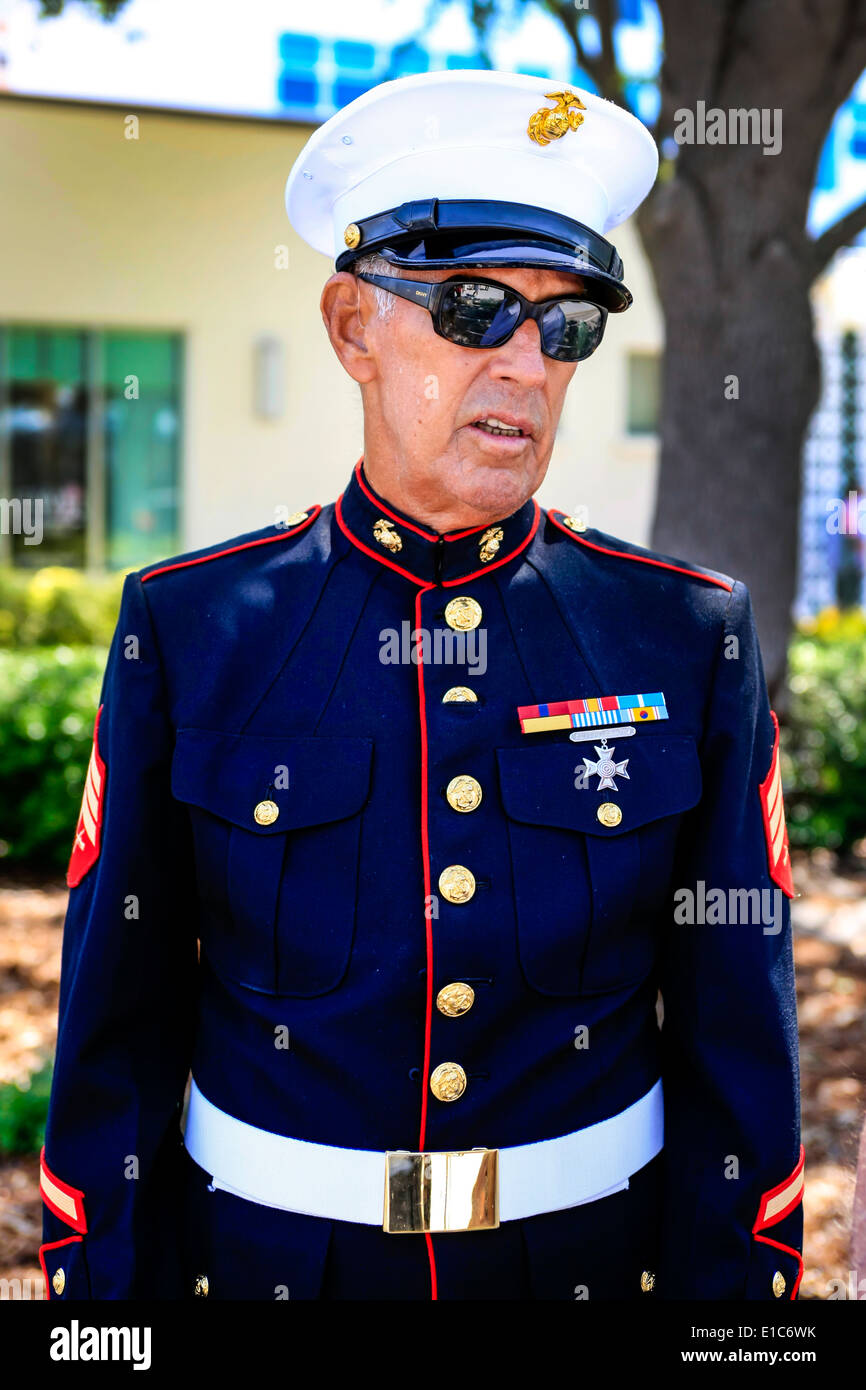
[741, 376]
[725, 233]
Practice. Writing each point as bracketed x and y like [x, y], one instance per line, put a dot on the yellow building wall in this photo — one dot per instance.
[180, 230]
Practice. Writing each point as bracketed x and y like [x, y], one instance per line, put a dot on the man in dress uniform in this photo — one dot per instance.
[449, 789]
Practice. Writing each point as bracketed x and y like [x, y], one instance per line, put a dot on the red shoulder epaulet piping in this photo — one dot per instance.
[642, 559]
[230, 550]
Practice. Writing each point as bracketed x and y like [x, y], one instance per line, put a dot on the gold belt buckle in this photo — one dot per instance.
[449, 1191]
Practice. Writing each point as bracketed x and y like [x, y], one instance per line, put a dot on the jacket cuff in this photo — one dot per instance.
[775, 1264]
[64, 1267]
[63, 1256]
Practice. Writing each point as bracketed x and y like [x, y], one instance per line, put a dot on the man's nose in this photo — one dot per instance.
[521, 357]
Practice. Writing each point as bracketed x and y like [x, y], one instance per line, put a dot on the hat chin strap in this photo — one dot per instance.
[464, 233]
[478, 220]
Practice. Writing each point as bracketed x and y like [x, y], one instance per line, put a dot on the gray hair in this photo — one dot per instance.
[374, 264]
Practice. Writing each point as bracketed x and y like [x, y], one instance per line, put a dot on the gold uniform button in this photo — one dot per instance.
[448, 1081]
[457, 883]
[574, 523]
[455, 999]
[462, 614]
[647, 1281]
[352, 235]
[609, 813]
[58, 1281]
[779, 1284]
[296, 518]
[463, 793]
[460, 694]
[266, 812]
[201, 1286]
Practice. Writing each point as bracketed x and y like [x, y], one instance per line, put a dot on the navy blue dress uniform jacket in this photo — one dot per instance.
[298, 664]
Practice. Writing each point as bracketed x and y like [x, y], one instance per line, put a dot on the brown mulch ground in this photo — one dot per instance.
[31, 922]
[830, 948]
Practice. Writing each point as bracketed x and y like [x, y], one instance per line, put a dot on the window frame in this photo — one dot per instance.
[95, 461]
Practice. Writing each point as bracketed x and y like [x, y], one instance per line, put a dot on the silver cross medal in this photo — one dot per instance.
[606, 768]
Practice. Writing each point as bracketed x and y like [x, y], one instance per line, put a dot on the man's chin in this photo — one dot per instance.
[496, 487]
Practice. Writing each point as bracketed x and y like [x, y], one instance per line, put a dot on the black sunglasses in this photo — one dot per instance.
[484, 314]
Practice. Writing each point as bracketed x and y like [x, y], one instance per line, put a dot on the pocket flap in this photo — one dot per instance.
[311, 780]
[538, 784]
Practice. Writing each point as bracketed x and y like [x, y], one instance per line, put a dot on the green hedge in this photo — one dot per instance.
[23, 1111]
[48, 702]
[55, 629]
[824, 741]
[47, 607]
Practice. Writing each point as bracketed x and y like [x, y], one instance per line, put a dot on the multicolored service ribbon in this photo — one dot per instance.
[592, 712]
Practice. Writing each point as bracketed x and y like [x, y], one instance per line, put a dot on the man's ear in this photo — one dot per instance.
[346, 313]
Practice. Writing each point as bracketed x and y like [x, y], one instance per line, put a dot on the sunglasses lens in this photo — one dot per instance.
[475, 314]
[571, 330]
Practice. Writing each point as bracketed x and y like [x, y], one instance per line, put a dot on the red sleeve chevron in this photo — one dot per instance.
[775, 830]
[65, 1201]
[775, 1205]
[85, 847]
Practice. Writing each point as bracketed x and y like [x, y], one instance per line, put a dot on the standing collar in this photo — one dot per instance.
[422, 555]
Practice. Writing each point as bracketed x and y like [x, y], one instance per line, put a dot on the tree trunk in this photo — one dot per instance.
[725, 232]
[741, 377]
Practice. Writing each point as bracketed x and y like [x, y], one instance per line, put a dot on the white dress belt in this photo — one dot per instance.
[349, 1184]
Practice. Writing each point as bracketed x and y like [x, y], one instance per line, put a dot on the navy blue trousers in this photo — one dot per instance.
[248, 1251]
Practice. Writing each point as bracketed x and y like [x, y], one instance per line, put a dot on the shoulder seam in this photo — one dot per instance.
[232, 549]
[160, 662]
[641, 559]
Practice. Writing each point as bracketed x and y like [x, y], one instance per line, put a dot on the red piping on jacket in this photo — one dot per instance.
[401, 520]
[54, 1245]
[425, 583]
[641, 559]
[765, 1240]
[76, 1218]
[428, 921]
[460, 535]
[230, 550]
[478, 574]
[794, 1182]
[407, 574]
[427, 535]
[83, 856]
[779, 864]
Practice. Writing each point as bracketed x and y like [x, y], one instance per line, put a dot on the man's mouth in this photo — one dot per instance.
[491, 424]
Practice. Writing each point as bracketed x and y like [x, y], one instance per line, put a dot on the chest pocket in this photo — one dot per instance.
[278, 900]
[585, 893]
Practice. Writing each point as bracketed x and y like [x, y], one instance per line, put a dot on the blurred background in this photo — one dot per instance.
[166, 382]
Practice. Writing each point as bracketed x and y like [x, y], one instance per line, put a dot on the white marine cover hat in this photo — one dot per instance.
[481, 168]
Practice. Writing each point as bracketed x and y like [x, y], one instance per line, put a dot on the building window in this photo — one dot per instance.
[360, 57]
[643, 407]
[90, 430]
[408, 58]
[858, 134]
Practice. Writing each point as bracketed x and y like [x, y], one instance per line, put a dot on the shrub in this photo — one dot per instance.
[23, 1110]
[48, 702]
[824, 743]
[53, 606]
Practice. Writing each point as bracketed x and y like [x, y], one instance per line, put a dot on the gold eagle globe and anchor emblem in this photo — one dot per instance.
[490, 543]
[548, 123]
[385, 534]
